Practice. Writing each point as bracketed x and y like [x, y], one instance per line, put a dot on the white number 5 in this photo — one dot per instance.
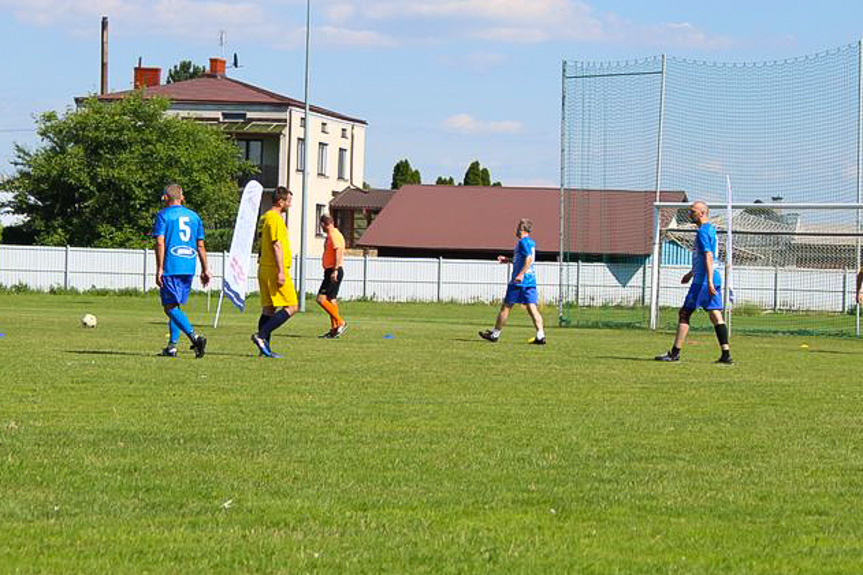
[185, 230]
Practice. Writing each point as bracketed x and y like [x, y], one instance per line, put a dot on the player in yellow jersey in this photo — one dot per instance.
[334, 253]
[278, 296]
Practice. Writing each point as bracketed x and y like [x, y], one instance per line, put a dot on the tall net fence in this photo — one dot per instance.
[785, 132]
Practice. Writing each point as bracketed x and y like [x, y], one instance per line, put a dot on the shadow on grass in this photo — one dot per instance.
[109, 352]
[834, 352]
[627, 358]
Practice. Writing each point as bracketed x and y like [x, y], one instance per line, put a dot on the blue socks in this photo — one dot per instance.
[174, 330]
[180, 322]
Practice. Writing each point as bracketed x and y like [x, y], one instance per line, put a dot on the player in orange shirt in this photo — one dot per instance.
[334, 253]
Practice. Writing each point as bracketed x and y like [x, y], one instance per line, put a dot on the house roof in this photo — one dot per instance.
[358, 199]
[478, 218]
[216, 89]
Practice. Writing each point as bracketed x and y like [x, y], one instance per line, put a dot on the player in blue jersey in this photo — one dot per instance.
[179, 237]
[522, 285]
[706, 289]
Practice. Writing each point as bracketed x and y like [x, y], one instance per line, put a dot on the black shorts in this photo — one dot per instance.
[329, 287]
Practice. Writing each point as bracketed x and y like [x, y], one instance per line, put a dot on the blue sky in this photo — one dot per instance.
[441, 82]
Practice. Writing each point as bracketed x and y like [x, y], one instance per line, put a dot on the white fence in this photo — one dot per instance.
[409, 279]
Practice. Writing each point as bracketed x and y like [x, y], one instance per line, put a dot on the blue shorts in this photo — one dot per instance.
[175, 289]
[699, 296]
[517, 293]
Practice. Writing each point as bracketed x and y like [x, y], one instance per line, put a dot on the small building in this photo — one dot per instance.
[354, 210]
[478, 222]
[270, 131]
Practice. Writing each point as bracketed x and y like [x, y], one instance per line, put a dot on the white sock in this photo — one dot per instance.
[540, 334]
[495, 333]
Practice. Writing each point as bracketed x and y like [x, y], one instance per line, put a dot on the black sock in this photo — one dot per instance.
[726, 353]
[262, 321]
[675, 351]
[274, 323]
[721, 333]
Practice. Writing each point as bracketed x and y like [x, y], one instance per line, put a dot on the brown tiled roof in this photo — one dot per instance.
[221, 89]
[473, 218]
[358, 199]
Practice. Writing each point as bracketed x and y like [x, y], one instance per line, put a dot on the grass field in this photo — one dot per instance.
[428, 452]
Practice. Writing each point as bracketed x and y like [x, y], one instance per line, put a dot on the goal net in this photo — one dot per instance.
[792, 268]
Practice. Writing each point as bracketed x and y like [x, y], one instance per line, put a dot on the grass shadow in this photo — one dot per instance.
[108, 352]
[627, 358]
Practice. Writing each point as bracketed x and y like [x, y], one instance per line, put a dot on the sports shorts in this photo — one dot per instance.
[329, 287]
[699, 296]
[175, 289]
[272, 294]
[517, 293]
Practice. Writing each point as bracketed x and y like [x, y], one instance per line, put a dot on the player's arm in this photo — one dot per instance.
[202, 255]
[708, 266]
[280, 261]
[504, 260]
[340, 256]
[528, 261]
[160, 258]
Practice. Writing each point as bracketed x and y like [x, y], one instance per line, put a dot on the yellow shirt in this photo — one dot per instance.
[272, 228]
[334, 241]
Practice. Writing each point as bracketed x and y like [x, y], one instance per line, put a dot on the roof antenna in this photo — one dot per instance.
[223, 40]
[236, 62]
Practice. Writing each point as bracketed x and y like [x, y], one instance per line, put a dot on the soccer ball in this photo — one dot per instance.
[89, 320]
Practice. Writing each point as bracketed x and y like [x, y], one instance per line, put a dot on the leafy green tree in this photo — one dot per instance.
[476, 175]
[185, 70]
[442, 181]
[473, 175]
[97, 179]
[403, 174]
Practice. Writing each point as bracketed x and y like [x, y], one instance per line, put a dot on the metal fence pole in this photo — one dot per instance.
[776, 289]
[144, 282]
[439, 276]
[654, 275]
[844, 291]
[365, 275]
[859, 169]
[578, 283]
[66, 270]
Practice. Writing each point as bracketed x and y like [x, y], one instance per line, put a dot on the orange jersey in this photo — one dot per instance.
[334, 241]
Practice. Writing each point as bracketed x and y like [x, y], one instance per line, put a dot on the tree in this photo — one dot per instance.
[403, 174]
[473, 175]
[442, 181]
[185, 70]
[97, 179]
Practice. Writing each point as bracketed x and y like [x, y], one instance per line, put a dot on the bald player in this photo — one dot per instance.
[706, 289]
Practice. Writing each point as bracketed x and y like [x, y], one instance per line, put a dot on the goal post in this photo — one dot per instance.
[795, 264]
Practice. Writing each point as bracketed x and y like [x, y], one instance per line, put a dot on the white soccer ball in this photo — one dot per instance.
[89, 320]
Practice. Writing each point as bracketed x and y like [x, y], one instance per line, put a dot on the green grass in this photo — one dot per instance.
[431, 452]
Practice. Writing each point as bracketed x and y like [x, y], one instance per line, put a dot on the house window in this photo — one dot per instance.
[252, 151]
[233, 116]
[324, 128]
[301, 154]
[322, 159]
[344, 133]
[343, 164]
[320, 209]
[303, 122]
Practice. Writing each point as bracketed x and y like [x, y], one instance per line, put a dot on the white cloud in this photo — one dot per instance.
[467, 124]
[529, 21]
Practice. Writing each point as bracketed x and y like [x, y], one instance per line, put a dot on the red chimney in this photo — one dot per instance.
[146, 77]
[217, 66]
